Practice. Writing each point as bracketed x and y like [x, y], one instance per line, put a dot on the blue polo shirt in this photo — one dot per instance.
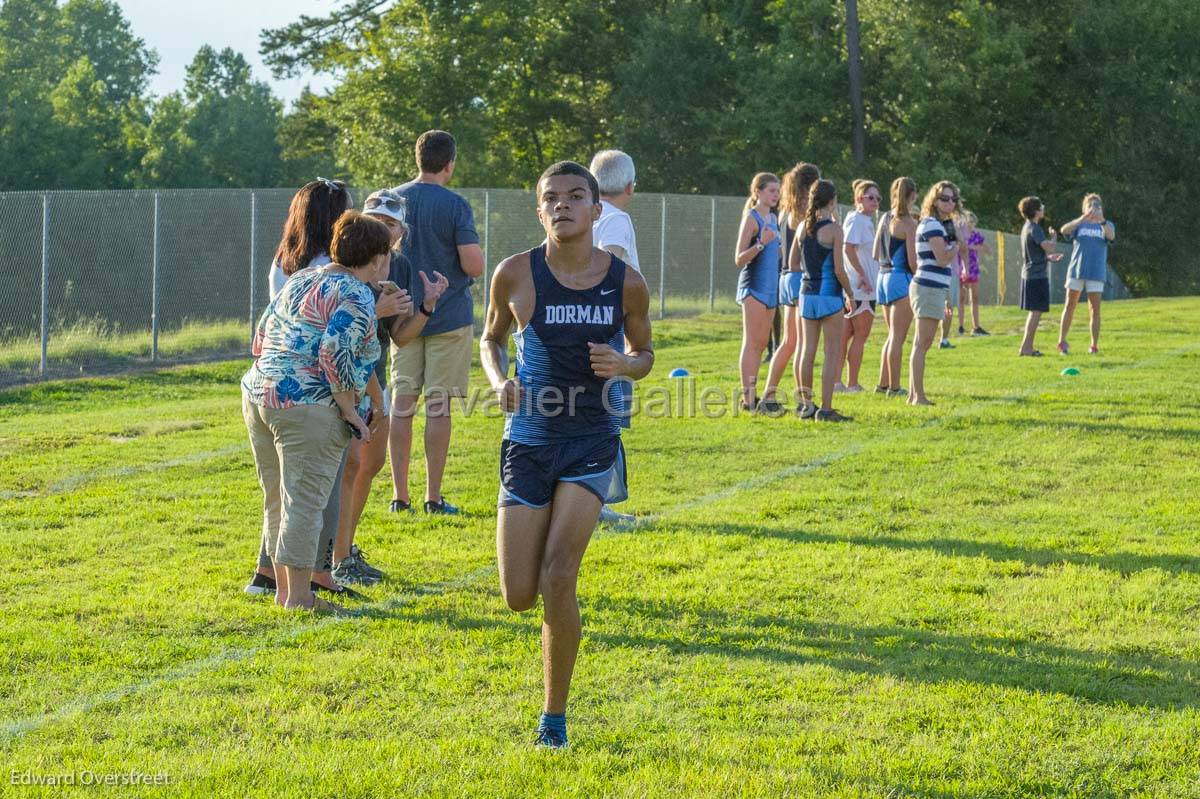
[439, 221]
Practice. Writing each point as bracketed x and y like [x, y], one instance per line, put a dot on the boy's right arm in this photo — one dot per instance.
[494, 341]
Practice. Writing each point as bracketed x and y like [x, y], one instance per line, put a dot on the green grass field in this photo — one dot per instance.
[994, 597]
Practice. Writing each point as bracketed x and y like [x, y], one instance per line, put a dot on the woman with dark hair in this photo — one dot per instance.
[757, 258]
[821, 301]
[315, 348]
[930, 289]
[306, 232]
[793, 203]
[896, 248]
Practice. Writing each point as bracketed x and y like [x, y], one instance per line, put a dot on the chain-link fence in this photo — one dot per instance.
[100, 281]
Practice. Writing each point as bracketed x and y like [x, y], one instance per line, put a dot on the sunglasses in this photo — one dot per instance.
[332, 185]
[945, 199]
[397, 205]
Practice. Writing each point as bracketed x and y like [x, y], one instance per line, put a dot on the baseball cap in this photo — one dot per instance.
[385, 203]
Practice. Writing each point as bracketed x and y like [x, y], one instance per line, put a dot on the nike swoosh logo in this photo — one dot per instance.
[604, 293]
[590, 465]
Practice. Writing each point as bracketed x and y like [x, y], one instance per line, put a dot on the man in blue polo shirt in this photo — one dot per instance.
[442, 238]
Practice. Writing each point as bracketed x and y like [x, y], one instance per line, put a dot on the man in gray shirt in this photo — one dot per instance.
[441, 238]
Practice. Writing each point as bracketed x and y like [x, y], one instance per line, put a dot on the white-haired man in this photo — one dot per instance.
[613, 232]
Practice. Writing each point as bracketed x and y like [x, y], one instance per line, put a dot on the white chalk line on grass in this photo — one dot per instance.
[75, 481]
[17, 728]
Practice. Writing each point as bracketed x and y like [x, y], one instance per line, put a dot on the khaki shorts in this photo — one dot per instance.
[928, 302]
[440, 364]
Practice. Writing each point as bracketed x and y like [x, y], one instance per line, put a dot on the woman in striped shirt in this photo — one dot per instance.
[930, 289]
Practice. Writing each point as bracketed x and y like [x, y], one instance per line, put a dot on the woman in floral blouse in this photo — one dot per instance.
[315, 348]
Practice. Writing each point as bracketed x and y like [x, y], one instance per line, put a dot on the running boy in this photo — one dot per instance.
[561, 455]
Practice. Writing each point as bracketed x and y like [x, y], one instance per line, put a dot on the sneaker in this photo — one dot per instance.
[831, 416]
[349, 571]
[881, 389]
[362, 559]
[1093, 350]
[897, 392]
[550, 739]
[979, 331]
[770, 407]
[341, 592]
[839, 387]
[260, 585]
[441, 507]
[400, 505]
[1063, 349]
[806, 411]
[945, 345]
[854, 389]
[747, 407]
[961, 330]
[610, 516]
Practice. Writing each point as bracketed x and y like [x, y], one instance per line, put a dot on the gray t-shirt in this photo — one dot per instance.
[1032, 237]
[439, 221]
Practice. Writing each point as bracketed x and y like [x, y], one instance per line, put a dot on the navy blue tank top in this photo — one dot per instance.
[562, 397]
[819, 274]
[897, 255]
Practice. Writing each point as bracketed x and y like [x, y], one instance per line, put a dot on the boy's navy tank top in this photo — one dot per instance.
[562, 397]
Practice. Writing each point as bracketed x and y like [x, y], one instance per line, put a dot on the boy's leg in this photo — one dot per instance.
[573, 516]
[520, 541]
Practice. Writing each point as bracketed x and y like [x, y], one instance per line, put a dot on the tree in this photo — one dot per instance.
[220, 132]
[857, 133]
[73, 78]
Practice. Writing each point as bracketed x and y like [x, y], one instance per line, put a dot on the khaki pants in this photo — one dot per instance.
[441, 364]
[297, 451]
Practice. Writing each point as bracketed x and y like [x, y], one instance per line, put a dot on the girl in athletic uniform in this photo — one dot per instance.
[896, 244]
[757, 256]
[821, 300]
[793, 203]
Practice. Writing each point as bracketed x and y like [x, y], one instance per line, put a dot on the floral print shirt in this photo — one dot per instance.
[317, 336]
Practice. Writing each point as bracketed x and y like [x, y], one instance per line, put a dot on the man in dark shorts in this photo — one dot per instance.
[561, 455]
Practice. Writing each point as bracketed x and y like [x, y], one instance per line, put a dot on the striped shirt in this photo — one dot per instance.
[928, 271]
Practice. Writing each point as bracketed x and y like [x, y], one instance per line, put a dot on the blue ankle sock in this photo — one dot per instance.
[554, 721]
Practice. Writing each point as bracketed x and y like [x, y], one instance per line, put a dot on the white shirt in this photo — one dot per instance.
[277, 278]
[859, 233]
[615, 228]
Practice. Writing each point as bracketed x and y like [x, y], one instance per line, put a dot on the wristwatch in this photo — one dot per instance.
[421, 308]
[758, 245]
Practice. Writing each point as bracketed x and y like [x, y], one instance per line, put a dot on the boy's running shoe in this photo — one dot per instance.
[548, 738]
